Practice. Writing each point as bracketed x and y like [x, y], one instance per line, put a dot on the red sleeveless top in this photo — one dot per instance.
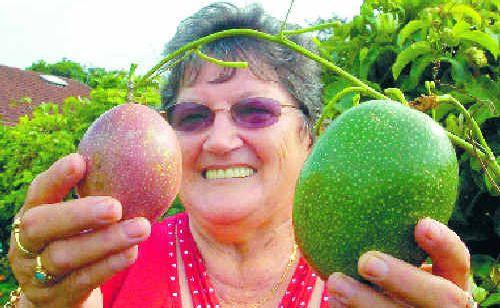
[153, 280]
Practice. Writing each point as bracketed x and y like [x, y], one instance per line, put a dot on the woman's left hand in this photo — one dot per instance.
[403, 285]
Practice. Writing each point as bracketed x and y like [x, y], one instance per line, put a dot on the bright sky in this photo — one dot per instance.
[114, 33]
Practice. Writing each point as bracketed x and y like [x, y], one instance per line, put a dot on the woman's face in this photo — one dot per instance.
[274, 154]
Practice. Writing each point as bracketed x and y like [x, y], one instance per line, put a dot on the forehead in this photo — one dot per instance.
[214, 80]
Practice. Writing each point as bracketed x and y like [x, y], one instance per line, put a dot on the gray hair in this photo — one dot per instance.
[298, 74]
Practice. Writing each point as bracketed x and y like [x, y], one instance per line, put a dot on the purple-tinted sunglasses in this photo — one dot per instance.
[255, 112]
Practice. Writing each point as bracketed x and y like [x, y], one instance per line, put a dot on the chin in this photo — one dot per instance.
[231, 209]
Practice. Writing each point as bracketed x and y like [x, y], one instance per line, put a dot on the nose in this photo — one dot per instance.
[222, 136]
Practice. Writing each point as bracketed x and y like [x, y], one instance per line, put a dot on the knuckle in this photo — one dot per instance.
[463, 265]
[455, 299]
[11, 255]
[37, 181]
[109, 235]
[467, 256]
[14, 264]
[29, 223]
[73, 166]
[58, 258]
[73, 214]
[83, 280]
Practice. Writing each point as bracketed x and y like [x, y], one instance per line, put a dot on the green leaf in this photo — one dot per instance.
[458, 72]
[483, 111]
[462, 31]
[485, 89]
[417, 69]
[481, 266]
[475, 164]
[452, 124]
[408, 55]
[479, 293]
[495, 271]
[460, 10]
[408, 30]
[367, 62]
[332, 89]
[493, 299]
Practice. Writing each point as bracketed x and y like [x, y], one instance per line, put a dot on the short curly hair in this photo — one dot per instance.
[301, 76]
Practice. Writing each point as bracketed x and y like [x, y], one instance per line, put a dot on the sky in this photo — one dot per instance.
[115, 33]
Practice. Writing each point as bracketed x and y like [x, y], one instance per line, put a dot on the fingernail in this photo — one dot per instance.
[432, 231]
[342, 287]
[107, 212]
[373, 266]
[136, 228]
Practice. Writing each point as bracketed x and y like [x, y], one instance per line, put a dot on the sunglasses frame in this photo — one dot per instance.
[228, 109]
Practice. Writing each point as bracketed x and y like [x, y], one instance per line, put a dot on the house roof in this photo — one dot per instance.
[17, 84]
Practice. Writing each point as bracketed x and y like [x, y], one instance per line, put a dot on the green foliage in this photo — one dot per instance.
[7, 280]
[408, 30]
[410, 54]
[63, 68]
[462, 31]
[94, 77]
[450, 42]
[486, 283]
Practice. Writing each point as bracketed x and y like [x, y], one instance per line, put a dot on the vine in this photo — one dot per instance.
[485, 155]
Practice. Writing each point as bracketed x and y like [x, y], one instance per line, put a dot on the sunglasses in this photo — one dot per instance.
[255, 112]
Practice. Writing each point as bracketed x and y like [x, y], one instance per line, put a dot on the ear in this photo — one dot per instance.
[310, 142]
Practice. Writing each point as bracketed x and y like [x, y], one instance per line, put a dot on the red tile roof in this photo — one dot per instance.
[16, 84]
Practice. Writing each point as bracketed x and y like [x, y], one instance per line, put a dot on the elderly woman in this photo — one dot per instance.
[244, 135]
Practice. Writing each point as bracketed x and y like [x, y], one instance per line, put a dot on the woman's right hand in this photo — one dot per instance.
[81, 242]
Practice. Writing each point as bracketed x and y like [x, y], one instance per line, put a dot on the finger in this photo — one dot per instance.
[43, 224]
[22, 267]
[52, 185]
[76, 287]
[404, 281]
[348, 292]
[450, 257]
[64, 256]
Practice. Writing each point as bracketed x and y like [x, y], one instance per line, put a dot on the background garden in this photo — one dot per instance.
[391, 44]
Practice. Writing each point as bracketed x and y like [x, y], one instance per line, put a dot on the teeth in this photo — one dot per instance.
[241, 172]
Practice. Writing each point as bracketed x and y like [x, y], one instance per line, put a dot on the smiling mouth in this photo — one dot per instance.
[230, 173]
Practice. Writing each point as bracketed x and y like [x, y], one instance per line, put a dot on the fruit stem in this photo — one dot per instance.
[447, 98]
[488, 156]
[396, 94]
[130, 83]
[329, 110]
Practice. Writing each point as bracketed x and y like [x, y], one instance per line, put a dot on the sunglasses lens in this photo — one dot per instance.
[189, 117]
[256, 112]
